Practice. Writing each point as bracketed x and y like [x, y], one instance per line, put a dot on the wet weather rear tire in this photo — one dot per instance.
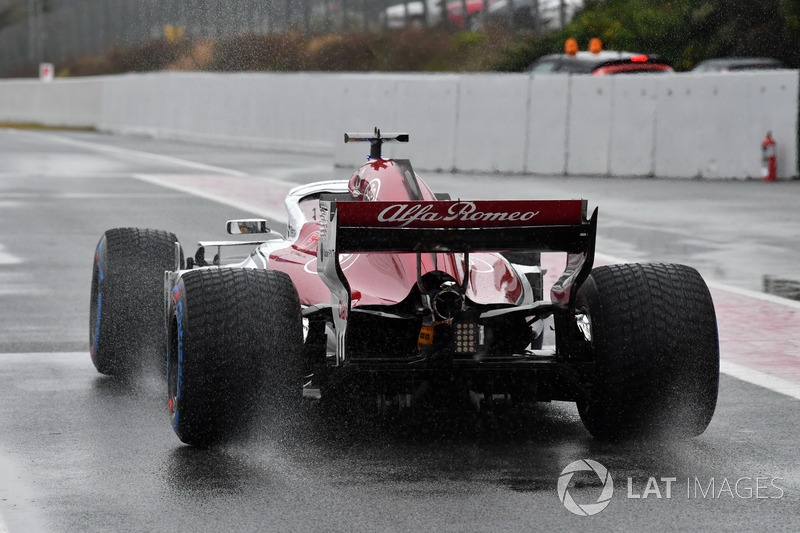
[126, 318]
[234, 352]
[655, 348]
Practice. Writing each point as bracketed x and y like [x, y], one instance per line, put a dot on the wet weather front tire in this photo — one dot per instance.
[126, 317]
[234, 351]
[656, 351]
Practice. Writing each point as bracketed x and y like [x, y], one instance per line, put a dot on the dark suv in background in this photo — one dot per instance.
[730, 64]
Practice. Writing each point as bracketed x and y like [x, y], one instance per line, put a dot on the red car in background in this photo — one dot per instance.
[455, 11]
[599, 64]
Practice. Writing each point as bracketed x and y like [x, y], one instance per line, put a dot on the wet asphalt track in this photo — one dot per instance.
[82, 452]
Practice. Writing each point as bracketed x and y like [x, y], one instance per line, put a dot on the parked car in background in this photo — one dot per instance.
[455, 12]
[600, 63]
[728, 64]
[414, 13]
[411, 14]
[533, 14]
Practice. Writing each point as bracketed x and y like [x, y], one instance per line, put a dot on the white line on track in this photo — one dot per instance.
[761, 379]
[755, 294]
[23, 357]
[721, 286]
[262, 210]
[98, 147]
[138, 154]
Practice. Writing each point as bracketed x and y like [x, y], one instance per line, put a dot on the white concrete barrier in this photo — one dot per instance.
[681, 125]
[632, 140]
[548, 113]
[490, 133]
[425, 106]
[589, 125]
[712, 125]
[72, 102]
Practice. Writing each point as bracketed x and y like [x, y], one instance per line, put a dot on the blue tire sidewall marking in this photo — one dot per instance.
[97, 326]
[176, 408]
[100, 258]
[100, 278]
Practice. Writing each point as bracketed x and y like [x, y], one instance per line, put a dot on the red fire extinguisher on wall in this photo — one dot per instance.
[768, 164]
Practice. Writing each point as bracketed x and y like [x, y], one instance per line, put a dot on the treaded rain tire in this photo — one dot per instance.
[126, 316]
[234, 349]
[655, 348]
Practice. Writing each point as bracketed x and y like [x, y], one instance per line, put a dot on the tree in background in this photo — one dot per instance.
[683, 31]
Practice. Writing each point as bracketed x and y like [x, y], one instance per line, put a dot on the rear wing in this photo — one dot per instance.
[454, 227]
[460, 226]
[457, 226]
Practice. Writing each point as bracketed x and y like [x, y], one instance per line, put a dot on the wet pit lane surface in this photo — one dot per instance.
[83, 452]
[91, 453]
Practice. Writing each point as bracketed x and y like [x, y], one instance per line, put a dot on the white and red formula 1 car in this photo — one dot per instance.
[384, 285]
